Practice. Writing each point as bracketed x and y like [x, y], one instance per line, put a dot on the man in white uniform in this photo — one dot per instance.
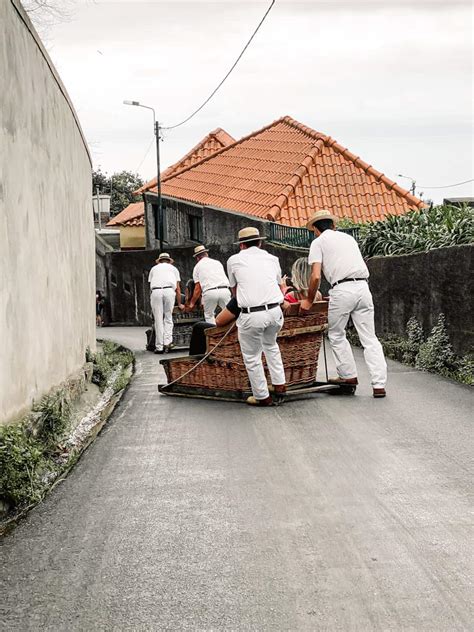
[165, 286]
[256, 275]
[211, 283]
[337, 255]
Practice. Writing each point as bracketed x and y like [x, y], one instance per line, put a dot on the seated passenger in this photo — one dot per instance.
[300, 277]
[197, 345]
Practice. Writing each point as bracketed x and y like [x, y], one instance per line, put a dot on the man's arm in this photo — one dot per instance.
[231, 277]
[196, 295]
[314, 282]
[178, 296]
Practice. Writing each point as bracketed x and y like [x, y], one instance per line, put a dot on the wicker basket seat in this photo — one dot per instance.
[299, 339]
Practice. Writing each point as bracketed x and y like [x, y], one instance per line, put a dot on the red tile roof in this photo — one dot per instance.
[211, 143]
[286, 171]
[133, 215]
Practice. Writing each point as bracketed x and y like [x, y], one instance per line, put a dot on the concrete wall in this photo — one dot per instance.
[46, 237]
[424, 285]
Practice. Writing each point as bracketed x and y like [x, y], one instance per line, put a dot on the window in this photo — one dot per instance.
[195, 228]
[154, 208]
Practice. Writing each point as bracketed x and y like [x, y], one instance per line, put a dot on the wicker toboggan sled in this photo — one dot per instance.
[221, 373]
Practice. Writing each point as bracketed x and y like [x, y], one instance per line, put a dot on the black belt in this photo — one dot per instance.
[347, 280]
[163, 287]
[260, 308]
[219, 287]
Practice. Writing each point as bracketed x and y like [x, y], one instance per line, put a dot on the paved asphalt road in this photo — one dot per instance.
[335, 513]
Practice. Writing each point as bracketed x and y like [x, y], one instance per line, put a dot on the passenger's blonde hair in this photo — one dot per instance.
[300, 274]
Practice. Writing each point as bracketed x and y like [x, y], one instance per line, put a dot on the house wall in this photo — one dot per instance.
[132, 237]
[219, 227]
[47, 236]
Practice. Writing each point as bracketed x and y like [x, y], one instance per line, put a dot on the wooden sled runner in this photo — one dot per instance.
[220, 374]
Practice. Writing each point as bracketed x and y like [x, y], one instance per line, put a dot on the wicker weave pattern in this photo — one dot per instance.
[225, 368]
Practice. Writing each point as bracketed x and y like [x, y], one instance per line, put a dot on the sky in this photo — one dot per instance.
[390, 80]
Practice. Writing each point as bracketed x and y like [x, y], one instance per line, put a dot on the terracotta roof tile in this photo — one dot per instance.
[207, 146]
[284, 172]
[132, 215]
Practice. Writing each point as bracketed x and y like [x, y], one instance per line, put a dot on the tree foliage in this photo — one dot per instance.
[120, 186]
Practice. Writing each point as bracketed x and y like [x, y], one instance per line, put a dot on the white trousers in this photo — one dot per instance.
[353, 299]
[258, 333]
[213, 299]
[162, 303]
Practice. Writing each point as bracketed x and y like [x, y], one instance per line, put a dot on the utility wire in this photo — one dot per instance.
[146, 154]
[227, 75]
[447, 186]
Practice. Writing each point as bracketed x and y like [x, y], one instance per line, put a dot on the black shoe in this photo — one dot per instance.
[159, 351]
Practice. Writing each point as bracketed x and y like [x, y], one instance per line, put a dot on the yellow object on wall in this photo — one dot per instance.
[132, 237]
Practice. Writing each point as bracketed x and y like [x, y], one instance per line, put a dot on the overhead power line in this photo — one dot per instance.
[447, 186]
[227, 75]
[146, 154]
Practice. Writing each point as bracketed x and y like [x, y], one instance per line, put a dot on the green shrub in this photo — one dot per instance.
[21, 465]
[107, 361]
[418, 231]
[53, 419]
[394, 347]
[436, 353]
[413, 342]
[464, 370]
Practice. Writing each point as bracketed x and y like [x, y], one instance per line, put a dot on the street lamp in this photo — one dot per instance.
[413, 182]
[159, 218]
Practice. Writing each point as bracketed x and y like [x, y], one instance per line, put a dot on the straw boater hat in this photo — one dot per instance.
[199, 250]
[164, 256]
[322, 214]
[248, 234]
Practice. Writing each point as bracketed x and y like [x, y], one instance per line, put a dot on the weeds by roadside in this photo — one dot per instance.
[433, 353]
[37, 450]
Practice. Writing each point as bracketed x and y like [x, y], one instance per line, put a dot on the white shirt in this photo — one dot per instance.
[162, 275]
[209, 273]
[257, 275]
[339, 255]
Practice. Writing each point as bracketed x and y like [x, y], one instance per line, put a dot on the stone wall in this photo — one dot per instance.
[47, 236]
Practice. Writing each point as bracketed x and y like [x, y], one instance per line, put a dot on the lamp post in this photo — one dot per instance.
[413, 182]
[157, 216]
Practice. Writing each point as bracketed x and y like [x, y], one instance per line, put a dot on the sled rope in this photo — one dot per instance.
[201, 360]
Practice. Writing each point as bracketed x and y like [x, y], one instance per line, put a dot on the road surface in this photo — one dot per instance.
[334, 513]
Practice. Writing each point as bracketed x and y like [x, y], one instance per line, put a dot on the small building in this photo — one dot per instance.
[131, 224]
[279, 174]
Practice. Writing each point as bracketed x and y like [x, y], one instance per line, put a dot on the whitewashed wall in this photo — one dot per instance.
[47, 261]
